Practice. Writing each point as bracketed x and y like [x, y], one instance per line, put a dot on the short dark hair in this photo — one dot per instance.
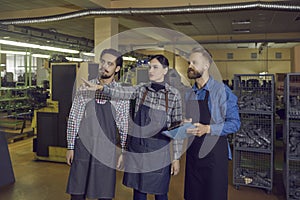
[161, 59]
[204, 52]
[119, 60]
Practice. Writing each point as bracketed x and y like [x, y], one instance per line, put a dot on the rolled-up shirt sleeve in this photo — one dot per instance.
[228, 121]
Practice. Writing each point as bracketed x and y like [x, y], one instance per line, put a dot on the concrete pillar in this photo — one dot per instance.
[295, 59]
[171, 58]
[3, 65]
[104, 29]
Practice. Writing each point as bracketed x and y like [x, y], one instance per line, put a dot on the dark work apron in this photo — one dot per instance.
[146, 154]
[88, 174]
[206, 175]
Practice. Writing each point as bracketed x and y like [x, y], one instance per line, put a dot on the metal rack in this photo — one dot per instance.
[253, 169]
[253, 157]
[255, 133]
[14, 99]
[291, 174]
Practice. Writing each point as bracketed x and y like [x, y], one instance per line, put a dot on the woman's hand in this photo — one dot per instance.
[120, 163]
[189, 120]
[175, 167]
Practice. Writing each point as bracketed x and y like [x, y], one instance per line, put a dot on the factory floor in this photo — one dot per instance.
[40, 180]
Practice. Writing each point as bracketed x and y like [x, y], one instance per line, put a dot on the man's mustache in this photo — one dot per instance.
[103, 70]
[190, 70]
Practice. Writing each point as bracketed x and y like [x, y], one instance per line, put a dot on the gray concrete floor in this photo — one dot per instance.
[39, 180]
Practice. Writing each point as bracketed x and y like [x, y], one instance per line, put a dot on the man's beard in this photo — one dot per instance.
[103, 74]
[193, 74]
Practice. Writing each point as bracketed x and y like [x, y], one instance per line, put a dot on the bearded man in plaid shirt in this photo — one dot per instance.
[92, 135]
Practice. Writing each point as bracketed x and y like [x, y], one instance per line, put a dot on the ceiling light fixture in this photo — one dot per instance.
[36, 46]
[41, 56]
[24, 53]
[88, 54]
[128, 58]
[74, 59]
[241, 30]
[14, 52]
[241, 22]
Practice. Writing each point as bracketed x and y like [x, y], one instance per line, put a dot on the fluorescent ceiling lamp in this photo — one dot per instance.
[59, 49]
[263, 73]
[88, 54]
[235, 22]
[241, 30]
[36, 46]
[2, 65]
[74, 59]
[14, 52]
[129, 58]
[40, 56]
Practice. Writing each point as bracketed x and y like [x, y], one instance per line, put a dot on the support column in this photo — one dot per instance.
[295, 57]
[26, 68]
[3, 64]
[104, 29]
[30, 66]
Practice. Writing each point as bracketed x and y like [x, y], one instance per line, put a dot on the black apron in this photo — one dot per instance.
[88, 174]
[147, 163]
[206, 175]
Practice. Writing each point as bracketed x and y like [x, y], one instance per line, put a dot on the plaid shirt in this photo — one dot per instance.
[77, 110]
[155, 100]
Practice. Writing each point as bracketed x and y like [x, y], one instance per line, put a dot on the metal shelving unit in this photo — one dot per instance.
[253, 157]
[14, 99]
[291, 137]
[253, 169]
[15, 103]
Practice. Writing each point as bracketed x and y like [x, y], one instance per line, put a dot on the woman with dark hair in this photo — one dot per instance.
[148, 165]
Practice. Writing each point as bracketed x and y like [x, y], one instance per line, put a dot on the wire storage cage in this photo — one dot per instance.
[291, 136]
[253, 151]
[294, 180]
[256, 133]
[253, 169]
[255, 92]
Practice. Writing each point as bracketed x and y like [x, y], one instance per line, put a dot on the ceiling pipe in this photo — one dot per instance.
[291, 6]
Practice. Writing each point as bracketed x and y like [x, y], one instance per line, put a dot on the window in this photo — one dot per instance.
[16, 65]
[229, 55]
[254, 55]
[278, 55]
